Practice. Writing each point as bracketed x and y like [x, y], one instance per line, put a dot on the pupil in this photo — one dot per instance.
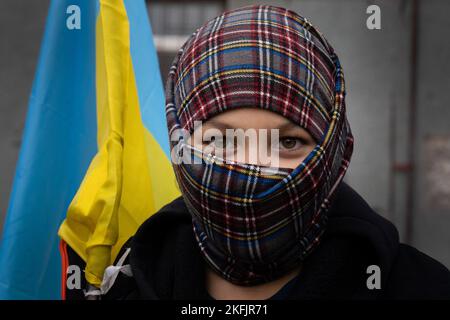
[288, 143]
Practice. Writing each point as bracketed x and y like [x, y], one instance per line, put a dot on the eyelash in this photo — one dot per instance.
[302, 141]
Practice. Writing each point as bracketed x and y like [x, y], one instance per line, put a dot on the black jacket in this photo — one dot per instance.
[166, 262]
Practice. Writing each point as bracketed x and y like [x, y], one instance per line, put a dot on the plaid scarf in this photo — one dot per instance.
[254, 224]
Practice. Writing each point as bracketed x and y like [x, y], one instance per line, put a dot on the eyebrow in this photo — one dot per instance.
[284, 125]
[218, 124]
[289, 125]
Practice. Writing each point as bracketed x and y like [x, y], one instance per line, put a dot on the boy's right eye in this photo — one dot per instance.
[218, 142]
[220, 146]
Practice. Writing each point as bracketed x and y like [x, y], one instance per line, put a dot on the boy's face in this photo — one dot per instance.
[255, 136]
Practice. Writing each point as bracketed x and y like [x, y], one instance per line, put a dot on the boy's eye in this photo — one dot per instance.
[217, 142]
[290, 143]
[220, 145]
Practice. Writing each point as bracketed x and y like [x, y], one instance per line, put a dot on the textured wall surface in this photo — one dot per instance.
[432, 217]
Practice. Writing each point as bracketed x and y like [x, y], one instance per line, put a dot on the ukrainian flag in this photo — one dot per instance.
[94, 161]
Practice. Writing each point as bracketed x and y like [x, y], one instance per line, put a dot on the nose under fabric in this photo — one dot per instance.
[271, 58]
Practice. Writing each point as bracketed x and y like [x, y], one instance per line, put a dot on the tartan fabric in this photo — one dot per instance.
[254, 223]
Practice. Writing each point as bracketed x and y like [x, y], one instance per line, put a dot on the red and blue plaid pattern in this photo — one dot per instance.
[254, 223]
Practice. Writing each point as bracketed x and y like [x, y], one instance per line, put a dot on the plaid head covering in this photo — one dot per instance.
[253, 223]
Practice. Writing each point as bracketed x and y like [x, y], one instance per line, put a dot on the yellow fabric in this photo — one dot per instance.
[130, 177]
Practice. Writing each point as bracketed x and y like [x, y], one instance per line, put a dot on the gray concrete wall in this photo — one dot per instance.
[432, 215]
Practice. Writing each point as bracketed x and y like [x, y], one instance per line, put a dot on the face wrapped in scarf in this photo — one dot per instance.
[253, 223]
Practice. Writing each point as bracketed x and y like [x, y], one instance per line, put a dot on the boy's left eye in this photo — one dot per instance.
[290, 143]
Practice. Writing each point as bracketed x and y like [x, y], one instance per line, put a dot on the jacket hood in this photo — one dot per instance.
[167, 263]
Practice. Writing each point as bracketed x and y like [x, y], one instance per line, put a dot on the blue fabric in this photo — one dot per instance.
[149, 83]
[58, 143]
